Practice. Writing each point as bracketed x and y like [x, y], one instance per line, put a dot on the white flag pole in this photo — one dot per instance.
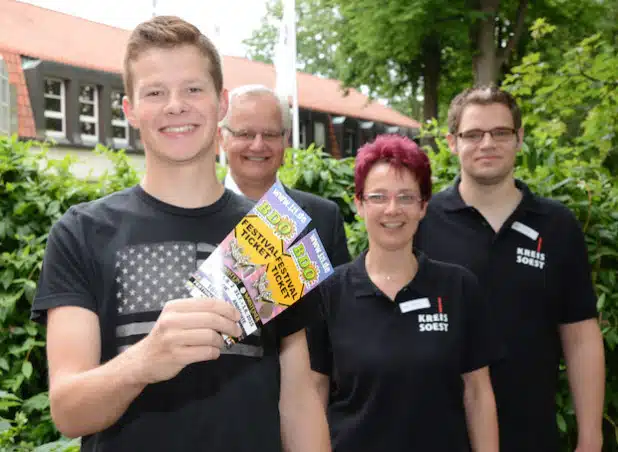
[285, 64]
[295, 118]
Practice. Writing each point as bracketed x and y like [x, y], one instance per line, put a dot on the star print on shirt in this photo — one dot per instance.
[148, 276]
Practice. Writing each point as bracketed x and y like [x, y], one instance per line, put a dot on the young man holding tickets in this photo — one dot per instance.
[134, 364]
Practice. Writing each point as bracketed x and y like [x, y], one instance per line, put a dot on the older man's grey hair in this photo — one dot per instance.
[258, 90]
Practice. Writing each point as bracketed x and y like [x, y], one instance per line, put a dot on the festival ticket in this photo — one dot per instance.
[256, 267]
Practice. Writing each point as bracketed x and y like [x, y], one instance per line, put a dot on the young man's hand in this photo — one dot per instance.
[187, 331]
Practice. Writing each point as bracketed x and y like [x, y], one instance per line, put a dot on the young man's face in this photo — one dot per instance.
[255, 140]
[490, 160]
[175, 105]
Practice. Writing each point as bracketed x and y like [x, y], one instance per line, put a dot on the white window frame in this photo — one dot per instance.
[5, 99]
[120, 142]
[90, 119]
[55, 114]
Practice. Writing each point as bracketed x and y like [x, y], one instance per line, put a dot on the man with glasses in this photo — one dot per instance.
[530, 257]
[254, 135]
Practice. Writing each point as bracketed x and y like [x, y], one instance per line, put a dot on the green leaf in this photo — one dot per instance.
[6, 405]
[6, 278]
[561, 422]
[4, 228]
[31, 329]
[4, 395]
[14, 383]
[30, 290]
[62, 445]
[39, 402]
[5, 425]
[26, 369]
[52, 208]
[308, 177]
[22, 348]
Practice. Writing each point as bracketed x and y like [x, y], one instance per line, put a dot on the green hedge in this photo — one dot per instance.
[35, 191]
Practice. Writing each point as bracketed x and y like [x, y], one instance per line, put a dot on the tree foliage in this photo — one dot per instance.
[316, 36]
[424, 50]
[571, 105]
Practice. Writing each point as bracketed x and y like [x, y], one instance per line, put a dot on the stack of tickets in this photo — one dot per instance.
[259, 268]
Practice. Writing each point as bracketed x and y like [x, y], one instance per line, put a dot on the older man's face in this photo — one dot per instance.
[255, 140]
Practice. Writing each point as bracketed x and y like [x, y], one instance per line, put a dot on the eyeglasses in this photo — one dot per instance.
[401, 199]
[248, 135]
[499, 134]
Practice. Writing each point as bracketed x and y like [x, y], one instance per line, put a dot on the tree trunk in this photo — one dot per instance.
[486, 61]
[504, 54]
[431, 76]
[431, 59]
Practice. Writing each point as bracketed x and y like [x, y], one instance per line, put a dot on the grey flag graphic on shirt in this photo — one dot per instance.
[148, 276]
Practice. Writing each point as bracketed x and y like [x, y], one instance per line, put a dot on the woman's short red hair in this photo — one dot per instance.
[400, 152]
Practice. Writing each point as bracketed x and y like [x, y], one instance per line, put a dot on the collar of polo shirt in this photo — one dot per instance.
[363, 287]
[452, 200]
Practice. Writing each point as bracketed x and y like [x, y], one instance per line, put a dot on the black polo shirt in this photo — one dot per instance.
[395, 367]
[535, 276]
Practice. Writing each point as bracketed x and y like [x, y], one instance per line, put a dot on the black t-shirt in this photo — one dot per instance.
[123, 257]
[395, 367]
[535, 275]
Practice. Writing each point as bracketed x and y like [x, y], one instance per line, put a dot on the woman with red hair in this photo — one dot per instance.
[400, 355]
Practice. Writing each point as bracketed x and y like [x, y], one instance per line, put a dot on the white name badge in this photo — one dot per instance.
[414, 305]
[525, 230]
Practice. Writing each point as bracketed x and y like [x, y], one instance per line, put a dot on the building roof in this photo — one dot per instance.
[37, 32]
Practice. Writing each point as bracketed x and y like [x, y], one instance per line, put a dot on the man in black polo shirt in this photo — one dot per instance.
[530, 257]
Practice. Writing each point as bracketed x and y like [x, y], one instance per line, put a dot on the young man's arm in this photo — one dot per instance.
[480, 407]
[582, 344]
[304, 427]
[87, 397]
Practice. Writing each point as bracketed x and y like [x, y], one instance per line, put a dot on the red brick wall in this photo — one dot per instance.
[25, 118]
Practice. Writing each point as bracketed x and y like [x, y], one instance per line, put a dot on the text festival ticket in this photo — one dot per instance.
[257, 270]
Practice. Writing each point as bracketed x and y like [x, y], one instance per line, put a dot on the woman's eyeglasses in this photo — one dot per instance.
[401, 199]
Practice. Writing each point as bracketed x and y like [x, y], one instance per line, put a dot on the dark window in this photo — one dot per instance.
[302, 135]
[349, 140]
[319, 134]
